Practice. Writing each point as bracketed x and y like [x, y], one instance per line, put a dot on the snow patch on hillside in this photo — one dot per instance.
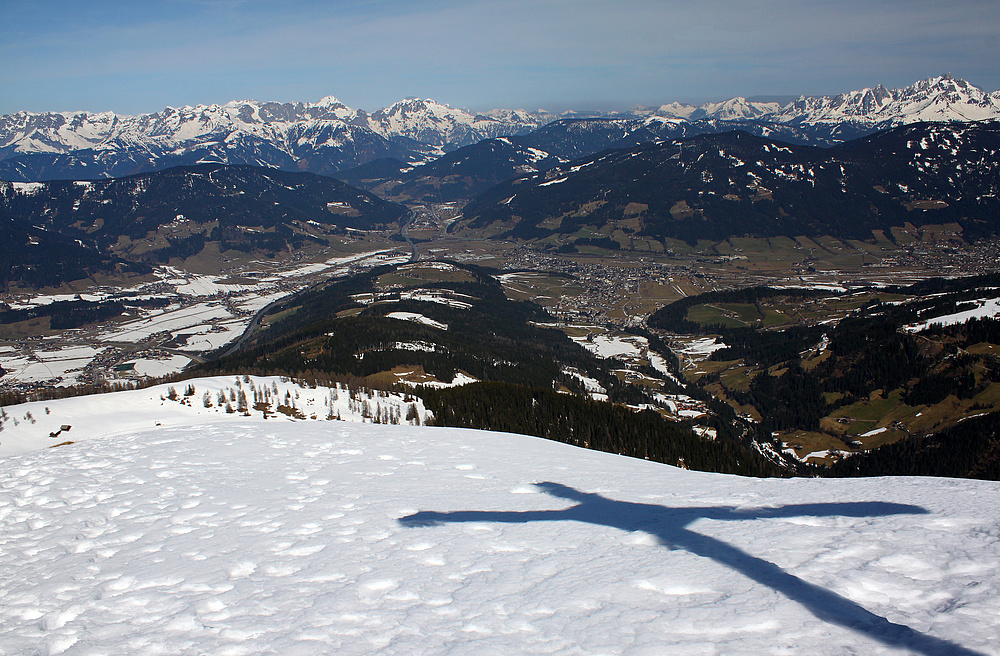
[987, 308]
[417, 318]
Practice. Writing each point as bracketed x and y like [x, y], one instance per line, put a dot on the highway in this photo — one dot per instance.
[404, 231]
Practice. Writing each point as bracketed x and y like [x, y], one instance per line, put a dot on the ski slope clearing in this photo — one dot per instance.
[338, 538]
[987, 308]
[419, 318]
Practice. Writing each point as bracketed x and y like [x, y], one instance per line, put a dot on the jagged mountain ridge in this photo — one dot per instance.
[825, 122]
[941, 98]
[461, 174]
[820, 121]
[322, 137]
[284, 124]
[327, 136]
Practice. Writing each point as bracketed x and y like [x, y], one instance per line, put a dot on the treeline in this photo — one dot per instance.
[10, 397]
[232, 237]
[866, 354]
[32, 258]
[766, 347]
[973, 331]
[73, 314]
[590, 424]
[792, 400]
[369, 344]
[933, 298]
[970, 449]
[930, 298]
[760, 347]
[673, 317]
[959, 381]
[867, 351]
[946, 285]
[870, 353]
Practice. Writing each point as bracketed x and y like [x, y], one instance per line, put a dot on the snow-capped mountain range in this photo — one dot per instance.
[289, 126]
[729, 110]
[935, 99]
[328, 136]
[321, 137]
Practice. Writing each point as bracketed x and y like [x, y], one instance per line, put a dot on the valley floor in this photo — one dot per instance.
[208, 306]
[199, 313]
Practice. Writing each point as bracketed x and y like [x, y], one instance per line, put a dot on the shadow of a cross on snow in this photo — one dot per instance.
[669, 525]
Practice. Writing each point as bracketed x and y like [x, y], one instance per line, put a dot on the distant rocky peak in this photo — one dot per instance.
[408, 105]
[863, 101]
[733, 109]
[739, 108]
[946, 87]
[329, 101]
[676, 110]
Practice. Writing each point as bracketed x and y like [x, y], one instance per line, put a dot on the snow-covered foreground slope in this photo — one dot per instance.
[338, 538]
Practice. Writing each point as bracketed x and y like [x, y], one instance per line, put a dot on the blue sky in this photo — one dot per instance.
[140, 56]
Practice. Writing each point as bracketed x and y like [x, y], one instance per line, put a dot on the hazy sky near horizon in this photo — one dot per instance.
[140, 56]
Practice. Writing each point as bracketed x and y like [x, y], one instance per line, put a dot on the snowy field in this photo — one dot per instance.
[698, 348]
[630, 349]
[206, 312]
[207, 319]
[326, 537]
[46, 363]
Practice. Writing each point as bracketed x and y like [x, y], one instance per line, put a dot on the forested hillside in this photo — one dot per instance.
[734, 184]
[437, 328]
[154, 217]
[906, 364]
[31, 257]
